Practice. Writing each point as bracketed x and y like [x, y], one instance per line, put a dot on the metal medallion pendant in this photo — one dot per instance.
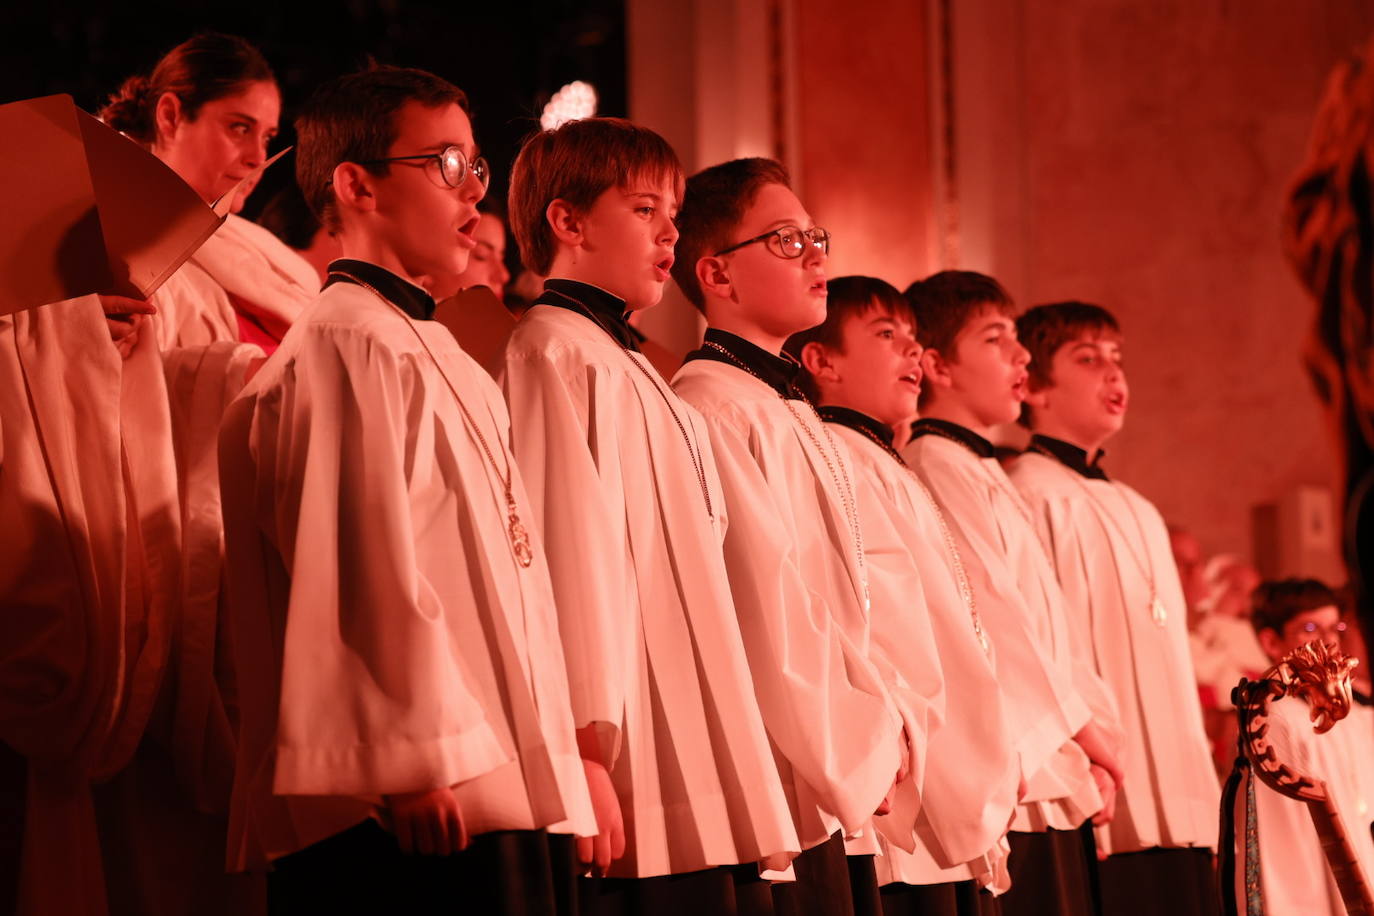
[1157, 611]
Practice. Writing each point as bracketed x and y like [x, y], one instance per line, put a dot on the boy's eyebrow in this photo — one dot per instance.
[240, 116]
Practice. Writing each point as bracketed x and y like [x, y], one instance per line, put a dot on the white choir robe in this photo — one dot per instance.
[1048, 682]
[201, 382]
[799, 590]
[1294, 873]
[968, 793]
[1170, 795]
[244, 268]
[395, 642]
[654, 655]
[95, 631]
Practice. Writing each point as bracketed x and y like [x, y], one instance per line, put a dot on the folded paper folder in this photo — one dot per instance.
[87, 210]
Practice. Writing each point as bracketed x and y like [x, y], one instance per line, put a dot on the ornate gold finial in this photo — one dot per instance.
[1320, 675]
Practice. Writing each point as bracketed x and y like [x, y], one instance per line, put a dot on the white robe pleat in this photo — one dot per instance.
[972, 770]
[653, 648]
[799, 589]
[95, 631]
[1170, 795]
[386, 637]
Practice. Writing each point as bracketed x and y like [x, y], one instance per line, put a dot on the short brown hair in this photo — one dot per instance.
[352, 118]
[577, 162]
[945, 302]
[1275, 603]
[203, 68]
[712, 208]
[845, 296]
[1045, 328]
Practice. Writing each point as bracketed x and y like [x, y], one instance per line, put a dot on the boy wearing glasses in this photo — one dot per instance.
[624, 485]
[405, 734]
[974, 372]
[1294, 873]
[754, 263]
[1111, 553]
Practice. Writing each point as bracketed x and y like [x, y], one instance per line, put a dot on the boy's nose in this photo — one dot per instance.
[669, 233]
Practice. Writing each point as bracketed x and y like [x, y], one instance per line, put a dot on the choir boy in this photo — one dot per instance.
[406, 734]
[753, 261]
[863, 370]
[623, 482]
[1294, 875]
[1111, 551]
[974, 380]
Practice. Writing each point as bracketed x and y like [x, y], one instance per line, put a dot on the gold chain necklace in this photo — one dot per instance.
[956, 560]
[515, 529]
[840, 479]
[1158, 613]
[697, 464]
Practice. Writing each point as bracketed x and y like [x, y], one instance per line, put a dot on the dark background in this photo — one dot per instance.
[509, 56]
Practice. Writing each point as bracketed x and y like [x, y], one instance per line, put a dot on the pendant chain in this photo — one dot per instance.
[840, 478]
[695, 454]
[1158, 613]
[515, 529]
[951, 547]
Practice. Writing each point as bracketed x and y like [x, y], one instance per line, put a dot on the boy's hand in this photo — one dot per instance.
[609, 843]
[124, 316]
[429, 823]
[1094, 743]
[1107, 786]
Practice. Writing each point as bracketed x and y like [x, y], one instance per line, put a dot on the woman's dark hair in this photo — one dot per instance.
[203, 68]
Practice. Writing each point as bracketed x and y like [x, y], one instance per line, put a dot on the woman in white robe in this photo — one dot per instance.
[208, 109]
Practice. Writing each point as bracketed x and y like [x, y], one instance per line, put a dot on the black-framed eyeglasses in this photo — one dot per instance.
[788, 242]
[454, 167]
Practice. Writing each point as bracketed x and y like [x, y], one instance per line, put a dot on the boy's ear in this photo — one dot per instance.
[353, 187]
[815, 358]
[714, 278]
[935, 369]
[166, 115]
[565, 222]
[1271, 643]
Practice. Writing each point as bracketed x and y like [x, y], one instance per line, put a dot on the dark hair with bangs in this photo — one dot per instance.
[578, 162]
[945, 302]
[1277, 602]
[845, 297]
[203, 68]
[1045, 328]
[712, 208]
[352, 118]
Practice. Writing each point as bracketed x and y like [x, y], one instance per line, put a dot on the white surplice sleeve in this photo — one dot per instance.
[569, 460]
[374, 697]
[823, 702]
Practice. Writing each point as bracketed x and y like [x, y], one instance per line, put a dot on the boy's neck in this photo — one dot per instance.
[581, 270]
[954, 412]
[365, 247]
[1047, 427]
[732, 323]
